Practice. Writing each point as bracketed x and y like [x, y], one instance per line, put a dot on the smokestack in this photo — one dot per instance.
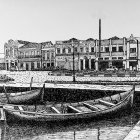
[99, 37]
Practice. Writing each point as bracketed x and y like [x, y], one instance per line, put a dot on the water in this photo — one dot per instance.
[111, 129]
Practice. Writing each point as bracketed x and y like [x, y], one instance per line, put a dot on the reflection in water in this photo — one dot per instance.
[101, 130]
[2, 130]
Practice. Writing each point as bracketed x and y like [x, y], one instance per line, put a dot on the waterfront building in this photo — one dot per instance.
[2, 64]
[48, 55]
[32, 56]
[10, 54]
[83, 52]
[120, 52]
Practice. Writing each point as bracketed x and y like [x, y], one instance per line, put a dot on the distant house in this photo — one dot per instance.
[2, 64]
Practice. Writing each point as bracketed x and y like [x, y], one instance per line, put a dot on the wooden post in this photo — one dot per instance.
[42, 94]
[7, 96]
[31, 83]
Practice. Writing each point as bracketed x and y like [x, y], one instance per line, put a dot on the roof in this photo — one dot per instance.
[31, 45]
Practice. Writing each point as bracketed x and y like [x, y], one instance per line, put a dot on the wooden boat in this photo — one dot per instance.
[102, 107]
[26, 97]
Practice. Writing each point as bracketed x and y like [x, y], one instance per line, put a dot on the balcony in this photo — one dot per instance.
[117, 53]
[133, 54]
[29, 56]
[105, 54]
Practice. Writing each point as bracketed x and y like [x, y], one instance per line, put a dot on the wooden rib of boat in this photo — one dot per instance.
[26, 97]
[106, 106]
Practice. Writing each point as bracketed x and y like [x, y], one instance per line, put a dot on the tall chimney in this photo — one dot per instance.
[99, 38]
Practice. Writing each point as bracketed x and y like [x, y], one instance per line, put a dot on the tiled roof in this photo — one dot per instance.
[104, 42]
[31, 45]
[117, 41]
[46, 43]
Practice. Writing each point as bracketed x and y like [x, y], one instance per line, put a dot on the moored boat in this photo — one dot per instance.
[102, 107]
[25, 97]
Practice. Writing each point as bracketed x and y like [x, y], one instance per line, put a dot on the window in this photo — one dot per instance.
[106, 58]
[48, 55]
[81, 50]
[87, 49]
[38, 53]
[92, 49]
[75, 49]
[58, 50]
[52, 55]
[106, 49]
[101, 49]
[114, 49]
[114, 58]
[132, 50]
[101, 58]
[64, 50]
[120, 57]
[132, 58]
[69, 50]
[120, 48]
[32, 52]
[21, 65]
[38, 65]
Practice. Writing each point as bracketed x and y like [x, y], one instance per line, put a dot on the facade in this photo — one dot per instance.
[119, 52]
[48, 55]
[10, 54]
[2, 64]
[86, 54]
[32, 56]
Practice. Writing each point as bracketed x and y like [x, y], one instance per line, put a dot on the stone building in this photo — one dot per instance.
[84, 54]
[32, 56]
[10, 54]
[120, 52]
[2, 64]
[48, 55]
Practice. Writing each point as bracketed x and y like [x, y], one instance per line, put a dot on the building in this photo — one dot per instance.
[120, 52]
[10, 54]
[48, 55]
[90, 54]
[2, 64]
[33, 56]
[81, 51]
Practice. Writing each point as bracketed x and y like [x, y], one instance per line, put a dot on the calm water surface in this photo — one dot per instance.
[110, 129]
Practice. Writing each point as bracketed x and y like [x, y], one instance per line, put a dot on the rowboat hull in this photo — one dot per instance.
[124, 104]
[27, 97]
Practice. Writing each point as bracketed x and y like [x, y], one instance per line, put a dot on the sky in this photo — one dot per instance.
[54, 20]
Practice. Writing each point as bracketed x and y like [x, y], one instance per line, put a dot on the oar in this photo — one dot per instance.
[7, 96]
[31, 83]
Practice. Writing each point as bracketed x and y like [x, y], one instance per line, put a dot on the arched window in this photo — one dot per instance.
[69, 50]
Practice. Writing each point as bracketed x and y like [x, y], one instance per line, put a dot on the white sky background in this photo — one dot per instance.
[53, 20]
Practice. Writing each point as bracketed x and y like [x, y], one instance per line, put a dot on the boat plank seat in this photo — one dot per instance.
[20, 108]
[74, 109]
[94, 108]
[106, 103]
[55, 110]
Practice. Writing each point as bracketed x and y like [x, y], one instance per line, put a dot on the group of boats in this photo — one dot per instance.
[29, 106]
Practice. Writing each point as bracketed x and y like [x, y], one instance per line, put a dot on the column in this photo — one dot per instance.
[24, 65]
[90, 63]
[127, 54]
[83, 64]
[79, 64]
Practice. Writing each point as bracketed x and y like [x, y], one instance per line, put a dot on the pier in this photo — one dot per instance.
[134, 134]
